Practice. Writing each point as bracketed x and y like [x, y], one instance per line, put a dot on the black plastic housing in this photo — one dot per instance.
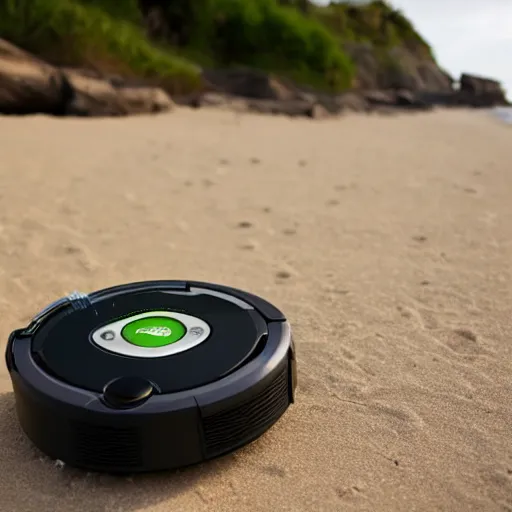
[165, 431]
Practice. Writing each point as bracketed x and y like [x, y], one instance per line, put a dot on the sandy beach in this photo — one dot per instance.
[387, 241]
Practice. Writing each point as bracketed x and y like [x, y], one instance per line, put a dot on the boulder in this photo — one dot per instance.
[145, 100]
[28, 85]
[248, 83]
[292, 108]
[212, 99]
[379, 98]
[410, 100]
[352, 102]
[93, 97]
[318, 111]
[479, 91]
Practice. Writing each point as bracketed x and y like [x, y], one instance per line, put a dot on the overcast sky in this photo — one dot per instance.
[467, 35]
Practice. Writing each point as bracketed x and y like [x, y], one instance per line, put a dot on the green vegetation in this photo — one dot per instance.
[73, 33]
[262, 34]
[374, 22]
[291, 38]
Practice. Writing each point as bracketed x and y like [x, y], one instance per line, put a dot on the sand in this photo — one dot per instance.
[386, 240]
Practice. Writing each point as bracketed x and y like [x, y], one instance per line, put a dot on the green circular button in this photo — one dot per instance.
[155, 331]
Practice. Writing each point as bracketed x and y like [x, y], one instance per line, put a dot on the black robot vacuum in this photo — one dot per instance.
[151, 376]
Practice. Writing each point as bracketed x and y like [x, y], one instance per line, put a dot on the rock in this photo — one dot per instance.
[410, 100]
[364, 57]
[317, 111]
[478, 91]
[307, 97]
[145, 100]
[479, 85]
[212, 99]
[379, 98]
[473, 92]
[352, 102]
[93, 97]
[28, 85]
[249, 83]
[397, 68]
[292, 108]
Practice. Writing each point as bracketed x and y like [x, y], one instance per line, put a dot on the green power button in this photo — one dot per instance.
[156, 331]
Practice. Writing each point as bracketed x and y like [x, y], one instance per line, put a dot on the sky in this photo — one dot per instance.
[473, 36]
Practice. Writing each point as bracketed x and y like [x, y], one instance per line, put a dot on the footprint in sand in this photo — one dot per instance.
[274, 471]
[347, 493]
[245, 224]
[68, 210]
[255, 161]
[345, 353]
[420, 238]
[289, 231]
[71, 249]
[333, 202]
[250, 245]
[283, 275]
[80, 255]
[426, 320]
[302, 163]
[466, 333]
[462, 341]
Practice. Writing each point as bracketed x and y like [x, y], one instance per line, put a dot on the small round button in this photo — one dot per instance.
[196, 331]
[125, 392]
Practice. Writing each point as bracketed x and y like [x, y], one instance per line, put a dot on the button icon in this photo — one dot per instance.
[108, 335]
[196, 331]
[153, 331]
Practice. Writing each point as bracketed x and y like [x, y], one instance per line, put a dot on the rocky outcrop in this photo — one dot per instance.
[98, 96]
[249, 90]
[249, 83]
[481, 92]
[29, 86]
[396, 68]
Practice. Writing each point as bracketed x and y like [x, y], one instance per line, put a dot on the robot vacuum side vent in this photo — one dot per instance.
[240, 424]
[97, 446]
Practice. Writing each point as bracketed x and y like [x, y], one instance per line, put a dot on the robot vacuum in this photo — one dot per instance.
[151, 376]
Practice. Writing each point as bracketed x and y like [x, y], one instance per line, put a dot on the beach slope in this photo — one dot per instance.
[387, 242]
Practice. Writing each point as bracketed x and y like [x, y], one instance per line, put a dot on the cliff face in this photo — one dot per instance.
[387, 51]
[382, 46]
[395, 68]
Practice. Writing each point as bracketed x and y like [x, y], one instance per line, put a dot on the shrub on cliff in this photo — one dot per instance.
[292, 38]
[257, 33]
[374, 22]
[74, 33]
